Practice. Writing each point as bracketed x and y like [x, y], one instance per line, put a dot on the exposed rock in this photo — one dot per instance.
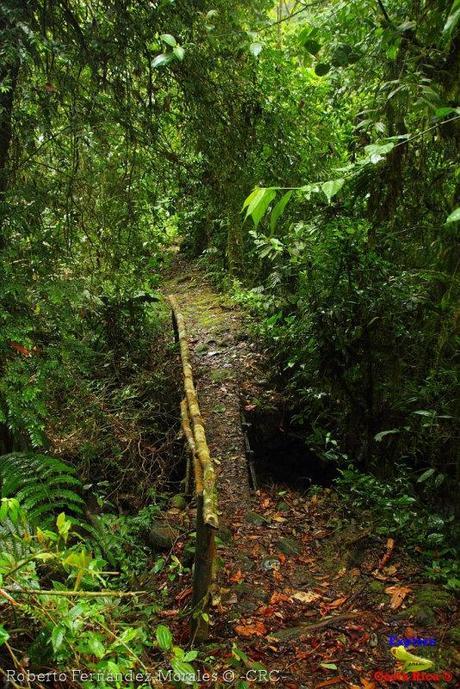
[161, 536]
[178, 501]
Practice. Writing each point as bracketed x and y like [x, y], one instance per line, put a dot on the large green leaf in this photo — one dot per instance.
[279, 209]
[162, 59]
[4, 636]
[184, 670]
[164, 637]
[454, 216]
[258, 202]
[168, 39]
[179, 52]
[332, 187]
[453, 18]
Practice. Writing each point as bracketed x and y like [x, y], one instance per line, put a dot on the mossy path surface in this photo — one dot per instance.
[219, 352]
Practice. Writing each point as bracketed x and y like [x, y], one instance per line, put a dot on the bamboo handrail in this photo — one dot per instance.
[197, 470]
[205, 486]
[208, 479]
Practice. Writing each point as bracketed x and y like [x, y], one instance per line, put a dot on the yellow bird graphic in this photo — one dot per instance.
[409, 661]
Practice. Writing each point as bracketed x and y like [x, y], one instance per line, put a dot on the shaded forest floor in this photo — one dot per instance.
[305, 590]
[313, 597]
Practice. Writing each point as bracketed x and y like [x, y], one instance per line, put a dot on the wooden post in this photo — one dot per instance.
[202, 573]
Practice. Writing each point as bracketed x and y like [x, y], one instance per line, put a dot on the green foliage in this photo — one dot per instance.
[43, 485]
[394, 508]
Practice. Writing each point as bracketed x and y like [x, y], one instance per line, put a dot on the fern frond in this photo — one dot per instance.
[44, 485]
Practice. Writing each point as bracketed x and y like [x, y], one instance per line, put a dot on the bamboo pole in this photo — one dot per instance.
[75, 594]
[198, 473]
[205, 486]
[209, 477]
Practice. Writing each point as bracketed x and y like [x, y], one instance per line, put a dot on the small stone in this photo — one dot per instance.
[178, 501]
[161, 536]
[270, 563]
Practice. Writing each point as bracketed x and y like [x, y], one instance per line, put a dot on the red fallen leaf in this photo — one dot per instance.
[237, 577]
[265, 503]
[20, 349]
[248, 630]
[279, 598]
[281, 557]
[168, 613]
[266, 611]
[183, 594]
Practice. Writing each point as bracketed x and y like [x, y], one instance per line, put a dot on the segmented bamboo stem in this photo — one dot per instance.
[193, 412]
[198, 473]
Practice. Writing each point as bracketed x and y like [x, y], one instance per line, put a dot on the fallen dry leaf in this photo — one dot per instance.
[237, 577]
[246, 631]
[387, 555]
[306, 596]
[279, 598]
[265, 611]
[302, 655]
[397, 593]
[337, 603]
[168, 613]
[328, 682]
[183, 594]
[367, 684]
[278, 518]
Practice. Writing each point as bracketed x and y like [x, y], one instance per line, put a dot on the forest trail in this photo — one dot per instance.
[302, 594]
[219, 353]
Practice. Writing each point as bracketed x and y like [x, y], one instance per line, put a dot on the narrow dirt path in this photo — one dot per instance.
[218, 349]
